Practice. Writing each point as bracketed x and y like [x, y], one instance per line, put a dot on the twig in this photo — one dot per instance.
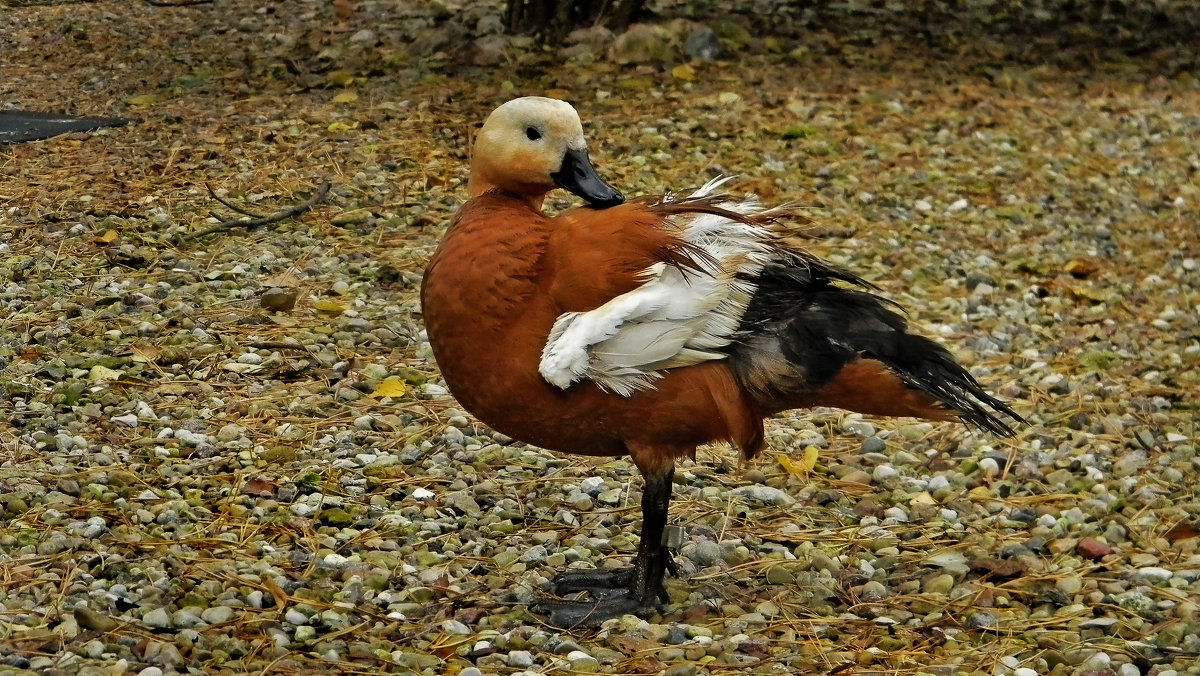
[241, 210]
[282, 214]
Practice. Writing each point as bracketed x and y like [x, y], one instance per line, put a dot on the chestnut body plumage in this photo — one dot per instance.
[651, 327]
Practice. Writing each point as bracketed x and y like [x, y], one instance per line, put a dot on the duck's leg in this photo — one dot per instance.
[628, 590]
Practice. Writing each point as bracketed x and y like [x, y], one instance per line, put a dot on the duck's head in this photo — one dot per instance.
[531, 145]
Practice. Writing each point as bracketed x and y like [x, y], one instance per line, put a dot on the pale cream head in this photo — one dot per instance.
[531, 145]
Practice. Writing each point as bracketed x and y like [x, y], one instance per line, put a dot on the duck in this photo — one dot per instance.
[652, 326]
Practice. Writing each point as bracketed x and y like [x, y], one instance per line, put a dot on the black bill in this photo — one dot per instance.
[578, 176]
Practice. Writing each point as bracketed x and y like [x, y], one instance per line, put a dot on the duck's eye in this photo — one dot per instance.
[533, 133]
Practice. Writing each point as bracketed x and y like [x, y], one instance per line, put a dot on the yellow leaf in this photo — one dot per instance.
[684, 72]
[392, 386]
[331, 306]
[101, 373]
[923, 498]
[811, 453]
[142, 100]
[345, 97]
[107, 238]
[790, 466]
[340, 126]
[341, 78]
[1085, 295]
[144, 352]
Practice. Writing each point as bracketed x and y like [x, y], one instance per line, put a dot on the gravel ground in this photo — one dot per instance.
[191, 482]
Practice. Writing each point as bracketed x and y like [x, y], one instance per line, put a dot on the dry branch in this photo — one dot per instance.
[283, 214]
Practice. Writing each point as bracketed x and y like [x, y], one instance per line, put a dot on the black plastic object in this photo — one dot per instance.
[17, 126]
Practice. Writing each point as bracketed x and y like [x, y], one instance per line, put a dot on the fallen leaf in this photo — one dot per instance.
[645, 665]
[340, 127]
[1084, 295]
[1003, 568]
[684, 72]
[144, 352]
[101, 373]
[804, 466]
[107, 238]
[345, 97]
[340, 78]
[631, 645]
[811, 453]
[142, 100]
[1181, 531]
[1082, 268]
[277, 593]
[392, 386]
[330, 306]
[260, 487]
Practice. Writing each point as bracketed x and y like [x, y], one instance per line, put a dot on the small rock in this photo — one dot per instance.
[706, 554]
[1093, 549]
[157, 618]
[703, 44]
[1155, 573]
[520, 659]
[278, 300]
[90, 619]
[641, 43]
[764, 494]
[1070, 585]
[883, 473]
[938, 584]
[217, 614]
[873, 445]
[592, 485]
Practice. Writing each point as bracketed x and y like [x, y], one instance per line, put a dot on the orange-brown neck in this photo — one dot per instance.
[531, 195]
[489, 174]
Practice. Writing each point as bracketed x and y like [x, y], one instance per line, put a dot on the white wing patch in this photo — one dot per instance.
[676, 318]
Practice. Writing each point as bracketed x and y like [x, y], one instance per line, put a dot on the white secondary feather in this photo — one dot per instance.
[676, 318]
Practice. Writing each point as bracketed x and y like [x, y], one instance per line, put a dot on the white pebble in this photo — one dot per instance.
[1155, 573]
[129, 419]
[938, 482]
[883, 473]
[420, 493]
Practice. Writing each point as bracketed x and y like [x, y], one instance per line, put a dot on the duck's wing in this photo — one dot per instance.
[693, 289]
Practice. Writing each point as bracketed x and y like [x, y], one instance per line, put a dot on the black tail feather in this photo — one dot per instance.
[799, 314]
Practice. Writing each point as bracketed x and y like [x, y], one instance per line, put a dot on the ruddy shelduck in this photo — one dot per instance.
[650, 327]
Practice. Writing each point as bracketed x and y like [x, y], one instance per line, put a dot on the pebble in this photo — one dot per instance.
[520, 659]
[706, 553]
[157, 618]
[764, 494]
[883, 473]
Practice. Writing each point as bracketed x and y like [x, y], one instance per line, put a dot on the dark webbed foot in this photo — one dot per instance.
[597, 582]
[627, 590]
[569, 614]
